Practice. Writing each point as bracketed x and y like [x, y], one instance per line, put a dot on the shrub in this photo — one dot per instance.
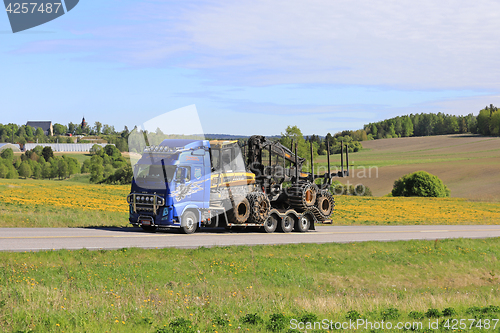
[277, 322]
[420, 184]
[47, 153]
[252, 318]
[4, 170]
[491, 309]
[7, 154]
[179, 325]
[390, 313]
[338, 188]
[448, 312]
[433, 313]
[473, 310]
[25, 170]
[353, 315]
[416, 315]
[219, 321]
[308, 317]
[121, 176]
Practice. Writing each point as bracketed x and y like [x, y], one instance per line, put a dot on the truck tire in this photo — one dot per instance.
[259, 207]
[271, 223]
[189, 223]
[287, 223]
[303, 223]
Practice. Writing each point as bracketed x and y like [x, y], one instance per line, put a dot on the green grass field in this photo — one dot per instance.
[133, 290]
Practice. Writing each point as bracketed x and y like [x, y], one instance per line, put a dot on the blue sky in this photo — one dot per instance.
[253, 67]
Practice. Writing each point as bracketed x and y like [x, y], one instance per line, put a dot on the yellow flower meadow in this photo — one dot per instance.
[348, 209]
[111, 198]
[413, 210]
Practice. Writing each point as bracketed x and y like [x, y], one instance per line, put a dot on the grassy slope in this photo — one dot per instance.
[136, 290]
[468, 165]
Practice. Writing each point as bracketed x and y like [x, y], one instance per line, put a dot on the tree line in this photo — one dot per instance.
[487, 123]
[22, 134]
[349, 139]
[107, 165]
[39, 163]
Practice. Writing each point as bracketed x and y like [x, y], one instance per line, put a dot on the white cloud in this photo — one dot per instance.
[424, 44]
[403, 44]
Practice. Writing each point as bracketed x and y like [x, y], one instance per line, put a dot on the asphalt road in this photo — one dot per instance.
[36, 239]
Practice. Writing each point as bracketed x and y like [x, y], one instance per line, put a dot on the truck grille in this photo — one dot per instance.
[145, 202]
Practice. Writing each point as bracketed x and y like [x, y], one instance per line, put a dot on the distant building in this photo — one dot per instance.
[14, 147]
[46, 126]
[66, 147]
[84, 123]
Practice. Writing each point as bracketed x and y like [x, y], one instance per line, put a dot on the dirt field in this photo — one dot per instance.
[468, 165]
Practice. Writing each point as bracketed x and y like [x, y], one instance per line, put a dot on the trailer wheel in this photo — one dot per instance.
[189, 222]
[271, 223]
[303, 223]
[287, 223]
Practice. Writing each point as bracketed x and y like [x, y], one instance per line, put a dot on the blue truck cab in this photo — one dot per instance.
[169, 180]
[186, 184]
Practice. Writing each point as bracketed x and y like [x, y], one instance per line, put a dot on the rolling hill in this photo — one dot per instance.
[468, 164]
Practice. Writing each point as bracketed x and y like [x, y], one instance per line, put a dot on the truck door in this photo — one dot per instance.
[183, 188]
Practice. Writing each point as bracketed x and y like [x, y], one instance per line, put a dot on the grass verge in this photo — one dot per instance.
[253, 289]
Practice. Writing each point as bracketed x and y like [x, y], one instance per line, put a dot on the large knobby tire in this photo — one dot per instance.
[240, 213]
[189, 222]
[271, 223]
[325, 204]
[303, 223]
[259, 207]
[302, 195]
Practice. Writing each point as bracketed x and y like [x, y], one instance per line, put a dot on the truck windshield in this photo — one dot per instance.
[153, 176]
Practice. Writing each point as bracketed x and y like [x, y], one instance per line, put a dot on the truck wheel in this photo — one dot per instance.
[271, 223]
[287, 223]
[189, 223]
[303, 223]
